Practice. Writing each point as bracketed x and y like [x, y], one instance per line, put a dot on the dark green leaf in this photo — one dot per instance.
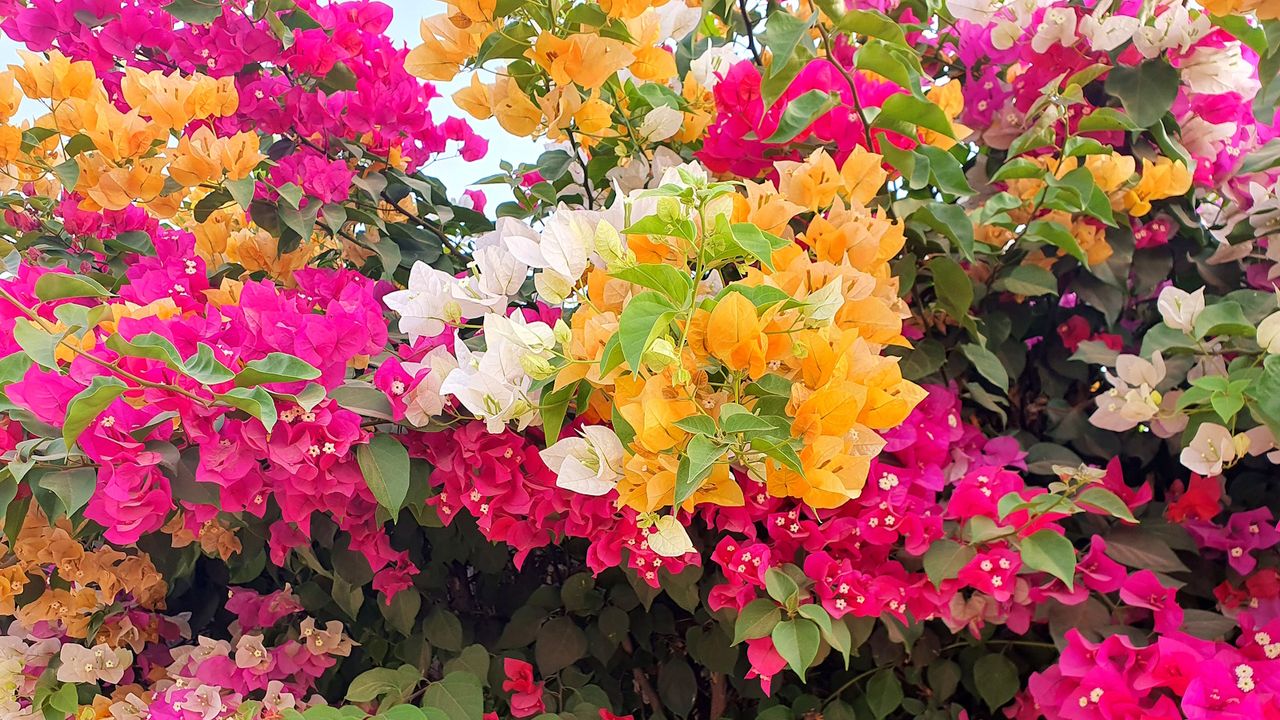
[384, 462]
[88, 404]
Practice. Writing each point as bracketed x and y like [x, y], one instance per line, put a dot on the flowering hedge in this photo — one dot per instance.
[845, 360]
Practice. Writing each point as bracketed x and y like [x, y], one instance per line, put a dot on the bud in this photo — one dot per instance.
[453, 312]
[820, 307]
[552, 286]
[669, 209]
[538, 368]
[681, 375]
[1269, 333]
[562, 333]
[660, 354]
[1241, 442]
[608, 245]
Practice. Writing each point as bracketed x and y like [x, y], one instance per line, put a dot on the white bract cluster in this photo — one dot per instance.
[492, 375]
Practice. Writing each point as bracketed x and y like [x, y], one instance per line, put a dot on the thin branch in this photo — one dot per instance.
[750, 33]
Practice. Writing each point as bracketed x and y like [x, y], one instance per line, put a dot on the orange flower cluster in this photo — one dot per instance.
[780, 371]
[50, 577]
[113, 158]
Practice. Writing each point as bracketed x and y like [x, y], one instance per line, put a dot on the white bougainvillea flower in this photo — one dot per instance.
[499, 272]
[660, 123]
[590, 464]
[979, 12]
[1269, 333]
[1219, 70]
[1212, 447]
[423, 305]
[100, 663]
[536, 337]
[1180, 308]
[1133, 399]
[1057, 28]
[1107, 34]
[425, 401]
[669, 538]
[709, 67]
[492, 384]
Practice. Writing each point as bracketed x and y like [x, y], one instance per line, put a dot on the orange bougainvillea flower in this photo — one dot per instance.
[652, 406]
[1162, 179]
[516, 113]
[445, 46]
[584, 59]
[735, 335]
[649, 483]
[57, 78]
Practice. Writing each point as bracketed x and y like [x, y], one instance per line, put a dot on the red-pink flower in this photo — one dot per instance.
[526, 695]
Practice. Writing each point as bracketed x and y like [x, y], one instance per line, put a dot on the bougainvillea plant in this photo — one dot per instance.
[834, 359]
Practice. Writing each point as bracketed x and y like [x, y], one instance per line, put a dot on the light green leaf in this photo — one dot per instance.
[1050, 552]
[797, 642]
[88, 404]
[756, 620]
[57, 286]
[275, 367]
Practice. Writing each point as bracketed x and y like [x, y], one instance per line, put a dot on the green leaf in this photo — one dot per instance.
[1146, 91]
[384, 462]
[735, 418]
[797, 642]
[950, 220]
[987, 364]
[801, 113]
[257, 402]
[1223, 318]
[1029, 280]
[1077, 146]
[643, 320]
[779, 585]
[1056, 234]
[884, 693]
[1018, 169]
[865, 22]
[695, 466]
[195, 12]
[756, 620]
[275, 367]
[68, 173]
[204, 368]
[72, 487]
[1263, 158]
[888, 61]
[953, 287]
[147, 345]
[784, 36]
[1108, 502]
[1050, 552]
[1107, 119]
[757, 242]
[996, 678]
[698, 424]
[383, 682]
[947, 172]
[88, 404]
[901, 112]
[945, 558]
[458, 695]
[672, 283]
[39, 345]
[560, 644]
[242, 191]
[57, 286]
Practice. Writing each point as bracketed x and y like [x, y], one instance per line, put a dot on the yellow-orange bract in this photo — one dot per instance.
[813, 321]
[122, 157]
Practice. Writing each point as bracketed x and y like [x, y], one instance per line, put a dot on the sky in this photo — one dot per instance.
[456, 173]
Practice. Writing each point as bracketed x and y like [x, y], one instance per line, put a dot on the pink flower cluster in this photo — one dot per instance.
[736, 140]
[331, 320]
[502, 482]
[936, 473]
[1175, 676]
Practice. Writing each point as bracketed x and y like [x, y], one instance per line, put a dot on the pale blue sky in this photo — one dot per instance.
[456, 173]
